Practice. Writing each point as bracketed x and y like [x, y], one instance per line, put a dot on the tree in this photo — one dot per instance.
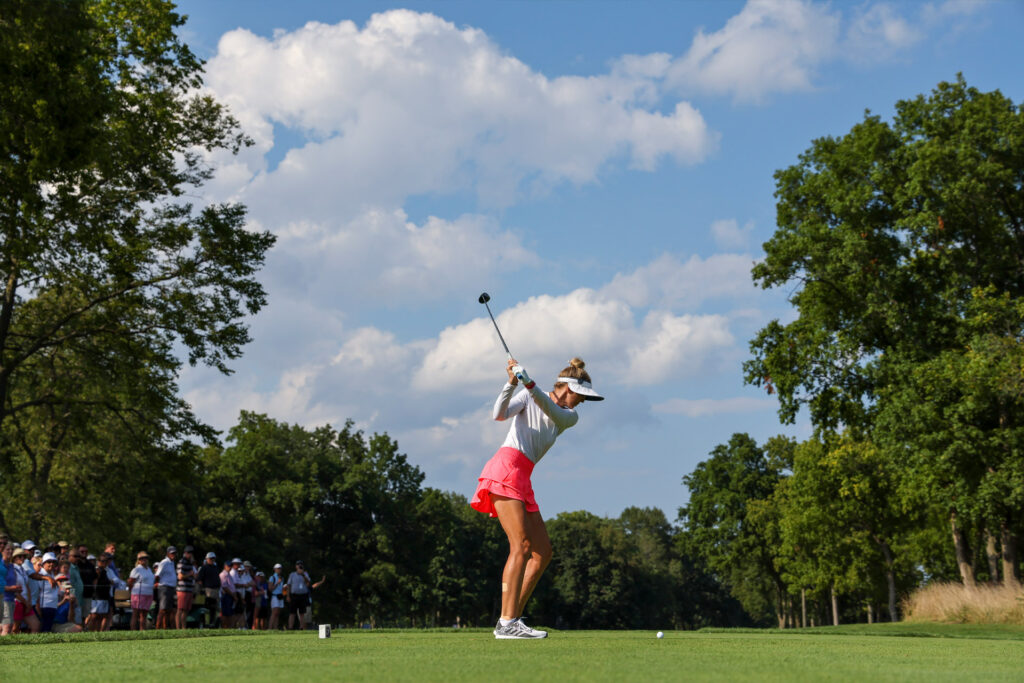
[103, 136]
[888, 233]
[720, 530]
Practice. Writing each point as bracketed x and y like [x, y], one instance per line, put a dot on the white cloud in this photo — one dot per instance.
[728, 234]
[877, 32]
[382, 258]
[667, 282]
[770, 46]
[704, 407]
[412, 104]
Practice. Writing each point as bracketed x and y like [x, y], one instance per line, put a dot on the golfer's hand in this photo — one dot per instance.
[512, 379]
[520, 372]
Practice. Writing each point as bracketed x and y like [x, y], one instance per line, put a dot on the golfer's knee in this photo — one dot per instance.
[521, 548]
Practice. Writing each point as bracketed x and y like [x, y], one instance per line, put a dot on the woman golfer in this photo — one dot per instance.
[505, 491]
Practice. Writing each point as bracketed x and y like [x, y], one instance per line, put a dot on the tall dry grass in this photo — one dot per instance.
[954, 603]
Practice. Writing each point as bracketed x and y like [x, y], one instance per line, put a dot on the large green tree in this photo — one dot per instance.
[108, 269]
[886, 235]
[722, 530]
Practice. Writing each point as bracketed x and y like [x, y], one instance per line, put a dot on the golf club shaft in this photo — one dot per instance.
[495, 323]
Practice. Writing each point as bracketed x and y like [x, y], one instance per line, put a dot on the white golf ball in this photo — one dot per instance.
[660, 634]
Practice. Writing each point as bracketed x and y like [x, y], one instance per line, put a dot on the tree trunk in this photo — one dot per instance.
[963, 552]
[992, 555]
[890, 576]
[835, 605]
[803, 608]
[871, 613]
[1011, 572]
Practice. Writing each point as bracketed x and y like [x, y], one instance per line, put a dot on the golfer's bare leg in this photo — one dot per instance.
[512, 515]
[540, 557]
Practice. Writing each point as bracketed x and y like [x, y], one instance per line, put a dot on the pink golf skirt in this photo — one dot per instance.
[506, 474]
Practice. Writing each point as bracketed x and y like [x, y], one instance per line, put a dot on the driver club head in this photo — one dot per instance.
[484, 298]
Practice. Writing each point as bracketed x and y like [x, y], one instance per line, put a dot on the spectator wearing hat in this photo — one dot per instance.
[64, 621]
[275, 584]
[242, 582]
[24, 611]
[298, 595]
[101, 609]
[87, 571]
[166, 589]
[186, 586]
[229, 597]
[50, 592]
[246, 585]
[141, 583]
[208, 580]
[11, 589]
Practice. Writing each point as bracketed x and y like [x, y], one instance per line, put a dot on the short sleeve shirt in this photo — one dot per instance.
[188, 583]
[144, 579]
[166, 574]
[297, 583]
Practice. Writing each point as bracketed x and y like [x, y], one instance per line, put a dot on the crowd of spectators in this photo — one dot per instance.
[64, 588]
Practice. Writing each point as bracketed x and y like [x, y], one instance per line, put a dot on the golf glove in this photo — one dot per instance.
[520, 372]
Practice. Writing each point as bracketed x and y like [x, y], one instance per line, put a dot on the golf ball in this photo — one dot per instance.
[660, 634]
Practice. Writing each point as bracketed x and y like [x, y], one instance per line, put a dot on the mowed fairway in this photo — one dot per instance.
[474, 655]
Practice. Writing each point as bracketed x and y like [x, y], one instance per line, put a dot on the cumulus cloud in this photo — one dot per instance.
[380, 257]
[412, 104]
[770, 46]
[671, 283]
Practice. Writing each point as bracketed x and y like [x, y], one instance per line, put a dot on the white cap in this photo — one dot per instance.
[278, 566]
[49, 557]
[28, 545]
[581, 387]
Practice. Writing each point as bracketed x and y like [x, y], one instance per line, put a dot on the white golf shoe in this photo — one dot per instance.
[517, 630]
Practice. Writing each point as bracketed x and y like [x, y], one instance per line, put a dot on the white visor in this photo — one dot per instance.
[581, 387]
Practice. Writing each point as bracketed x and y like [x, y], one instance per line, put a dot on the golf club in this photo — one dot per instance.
[484, 298]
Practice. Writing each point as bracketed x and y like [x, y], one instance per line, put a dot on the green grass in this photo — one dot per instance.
[878, 652]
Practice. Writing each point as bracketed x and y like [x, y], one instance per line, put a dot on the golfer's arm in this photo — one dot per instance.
[562, 417]
[505, 407]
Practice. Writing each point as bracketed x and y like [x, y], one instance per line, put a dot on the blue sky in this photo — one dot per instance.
[602, 169]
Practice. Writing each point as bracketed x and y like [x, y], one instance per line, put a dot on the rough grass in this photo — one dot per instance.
[473, 654]
[954, 603]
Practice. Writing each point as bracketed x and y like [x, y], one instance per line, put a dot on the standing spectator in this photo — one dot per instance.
[208, 580]
[24, 611]
[229, 598]
[101, 610]
[87, 571]
[50, 592]
[241, 582]
[11, 589]
[248, 574]
[32, 585]
[77, 585]
[186, 587]
[63, 622]
[166, 589]
[141, 583]
[111, 550]
[63, 548]
[262, 602]
[298, 595]
[276, 587]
